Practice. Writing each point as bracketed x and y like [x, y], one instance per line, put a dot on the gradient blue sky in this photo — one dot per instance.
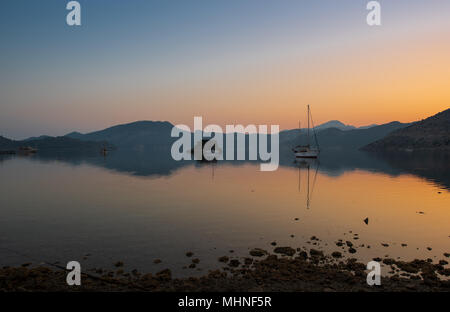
[244, 61]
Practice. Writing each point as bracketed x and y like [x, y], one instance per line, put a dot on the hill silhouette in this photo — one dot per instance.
[53, 144]
[137, 135]
[432, 133]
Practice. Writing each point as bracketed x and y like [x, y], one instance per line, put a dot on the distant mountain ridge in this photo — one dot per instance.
[334, 138]
[339, 125]
[156, 135]
[432, 133]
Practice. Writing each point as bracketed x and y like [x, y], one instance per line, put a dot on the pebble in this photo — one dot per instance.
[223, 259]
[288, 251]
[257, 252]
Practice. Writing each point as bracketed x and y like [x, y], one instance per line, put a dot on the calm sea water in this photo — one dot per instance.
[137, 208]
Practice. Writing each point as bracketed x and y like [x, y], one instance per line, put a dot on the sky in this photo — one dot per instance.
[231, 62]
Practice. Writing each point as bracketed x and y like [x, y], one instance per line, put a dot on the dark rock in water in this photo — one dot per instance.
[119, 264]
[352, 250]
[26, 264]
[349, 244]
[248, 261]
[377, 259]
[257, 252]
[447, 254]
[234, 263]
[404, 245]
[119, 272]
[429, 248]
[189, 254]
[156, 261]
[288, 251]
[316, 253]
[296, 219]
[314, 238]
[339, 244]
[384, 245]
[192, 266]
[336, 254]
[443, 262]
[196, 260]
[164, 274]
[223, 259]
[303, 255]
[445, 272]
[273, 243]
[366, 220]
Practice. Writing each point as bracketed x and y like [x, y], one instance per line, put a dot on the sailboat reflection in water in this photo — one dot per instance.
[308, 165]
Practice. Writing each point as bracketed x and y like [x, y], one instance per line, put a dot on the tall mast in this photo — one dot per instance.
[308, 124]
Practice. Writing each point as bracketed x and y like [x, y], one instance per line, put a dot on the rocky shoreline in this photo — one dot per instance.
[288, 270]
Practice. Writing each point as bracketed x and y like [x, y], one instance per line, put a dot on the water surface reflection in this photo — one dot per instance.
[139, 207]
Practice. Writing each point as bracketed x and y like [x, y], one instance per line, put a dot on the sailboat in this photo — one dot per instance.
[307, 151]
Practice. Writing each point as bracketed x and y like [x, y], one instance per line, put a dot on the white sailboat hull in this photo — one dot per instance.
[307, 154]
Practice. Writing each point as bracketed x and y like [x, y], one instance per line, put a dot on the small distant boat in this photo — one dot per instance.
[104, 150]
[27, 150]
[307, 151]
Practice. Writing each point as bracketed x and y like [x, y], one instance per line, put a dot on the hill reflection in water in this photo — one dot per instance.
[434, 167]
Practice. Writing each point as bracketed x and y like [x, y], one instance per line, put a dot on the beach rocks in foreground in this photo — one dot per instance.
[298, 272]
[287, 251]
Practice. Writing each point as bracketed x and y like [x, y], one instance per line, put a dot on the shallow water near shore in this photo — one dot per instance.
[137, 209]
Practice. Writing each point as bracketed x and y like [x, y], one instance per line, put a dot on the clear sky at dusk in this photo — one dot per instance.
[234, 61]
